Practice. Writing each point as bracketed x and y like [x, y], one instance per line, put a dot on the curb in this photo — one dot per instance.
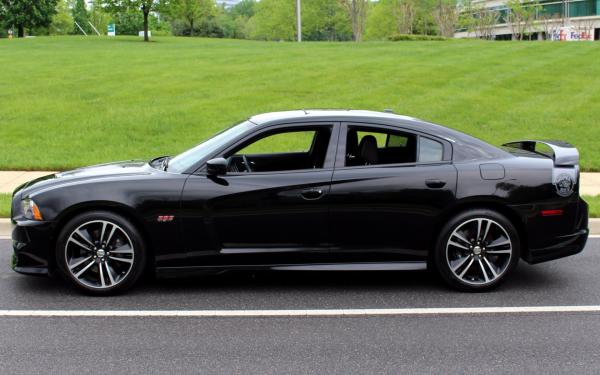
[5, 227]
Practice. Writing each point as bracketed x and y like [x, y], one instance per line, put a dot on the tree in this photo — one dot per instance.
[28, 13]
[445, 14]
[62, 21]
[478, 19]
[357, 12]
[381, 23]
[324, 20]
[80, 17]
[146, 6]
[405, 12]
[190, 10]
[521, 16]
[274, 20]
[98, 17]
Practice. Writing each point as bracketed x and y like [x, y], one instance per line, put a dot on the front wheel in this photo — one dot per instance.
[476, 250]
[100, 252]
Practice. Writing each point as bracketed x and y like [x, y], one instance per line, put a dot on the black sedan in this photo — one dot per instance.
[308, 190]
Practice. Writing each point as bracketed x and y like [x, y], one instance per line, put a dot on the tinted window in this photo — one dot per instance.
[299, 141]
[430, 150]
[365, 146]
[282, 150]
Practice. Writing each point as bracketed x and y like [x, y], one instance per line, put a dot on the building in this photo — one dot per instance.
[228, 3]
[554, 19]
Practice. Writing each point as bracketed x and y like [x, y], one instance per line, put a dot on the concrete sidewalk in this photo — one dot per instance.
[590, 182]
[9, 180]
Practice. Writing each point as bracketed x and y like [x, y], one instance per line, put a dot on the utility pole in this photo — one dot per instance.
[299, 20]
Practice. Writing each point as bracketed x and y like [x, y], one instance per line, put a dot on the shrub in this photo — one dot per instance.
[415, 37]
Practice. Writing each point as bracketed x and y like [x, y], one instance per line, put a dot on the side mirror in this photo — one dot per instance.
[216, 167]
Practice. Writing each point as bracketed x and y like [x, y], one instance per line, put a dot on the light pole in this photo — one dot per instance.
[299, 20]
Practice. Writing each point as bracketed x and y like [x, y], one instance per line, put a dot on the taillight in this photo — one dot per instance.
[552, 212]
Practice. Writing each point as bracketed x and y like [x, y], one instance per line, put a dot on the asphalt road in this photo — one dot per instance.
[549, 343]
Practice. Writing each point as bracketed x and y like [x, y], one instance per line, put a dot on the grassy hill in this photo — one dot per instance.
[72, 101]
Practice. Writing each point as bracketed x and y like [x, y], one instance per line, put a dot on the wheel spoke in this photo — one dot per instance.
[501, 243]
[110, 235]
[124, 249]
[86, 237]
[491, 267]
[83, 246]
[102, 283]
[466, 268]
[461, 263]
[507, 251]
[487, 229]
[79, 263]
[477, 236]
[485, 275]
[109, 273]
[458, 245]
[81, 271]
[125, 260]
[460, 237]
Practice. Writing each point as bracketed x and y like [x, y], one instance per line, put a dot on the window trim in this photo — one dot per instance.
[340, 162]
[330, 155]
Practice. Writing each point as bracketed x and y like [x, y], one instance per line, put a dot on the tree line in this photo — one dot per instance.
[331, 20]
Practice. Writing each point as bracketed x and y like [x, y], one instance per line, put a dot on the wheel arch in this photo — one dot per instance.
[482, 203]
[108, 206]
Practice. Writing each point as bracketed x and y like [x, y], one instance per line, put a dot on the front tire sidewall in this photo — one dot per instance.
[441, 263]
[138, 251]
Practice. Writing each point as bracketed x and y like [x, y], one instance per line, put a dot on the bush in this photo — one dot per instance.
[414, 37]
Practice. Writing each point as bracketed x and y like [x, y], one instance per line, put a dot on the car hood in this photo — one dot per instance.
[130, 167]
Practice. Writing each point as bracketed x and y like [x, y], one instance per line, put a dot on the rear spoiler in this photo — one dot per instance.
[563, 153]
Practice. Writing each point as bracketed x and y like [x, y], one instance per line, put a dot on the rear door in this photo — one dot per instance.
[385, 201]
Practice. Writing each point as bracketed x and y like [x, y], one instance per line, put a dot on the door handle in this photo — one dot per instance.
[312, 194]
[435, 183]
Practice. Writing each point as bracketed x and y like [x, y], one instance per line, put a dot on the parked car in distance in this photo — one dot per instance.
[308, 190]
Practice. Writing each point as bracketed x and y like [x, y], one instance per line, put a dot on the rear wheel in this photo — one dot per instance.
[100, 253]
[476, 250]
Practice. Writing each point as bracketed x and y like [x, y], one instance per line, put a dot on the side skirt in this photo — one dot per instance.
[166, 272]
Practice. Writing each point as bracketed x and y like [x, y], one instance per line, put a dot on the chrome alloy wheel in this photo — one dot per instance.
[479, 251]
[99, 254]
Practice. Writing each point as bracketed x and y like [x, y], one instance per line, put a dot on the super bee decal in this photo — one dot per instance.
[565, 184]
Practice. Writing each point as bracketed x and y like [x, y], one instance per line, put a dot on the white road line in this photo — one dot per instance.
[300, 313]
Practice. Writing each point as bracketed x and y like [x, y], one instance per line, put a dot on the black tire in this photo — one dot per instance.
[474, 263]
[125, 268]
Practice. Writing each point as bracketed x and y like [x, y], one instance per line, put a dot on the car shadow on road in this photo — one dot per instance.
[315, 284]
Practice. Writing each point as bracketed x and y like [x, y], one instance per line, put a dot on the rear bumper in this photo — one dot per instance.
[31, 243]
[564, 245]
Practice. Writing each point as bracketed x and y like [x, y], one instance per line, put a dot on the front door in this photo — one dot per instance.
[271, 207]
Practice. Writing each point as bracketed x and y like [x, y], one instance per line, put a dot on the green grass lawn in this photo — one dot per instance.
[73, 101]
[594, 205]
[5, 200]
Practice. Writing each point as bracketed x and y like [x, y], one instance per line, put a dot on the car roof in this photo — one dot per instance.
[326, 114]
[472, 147]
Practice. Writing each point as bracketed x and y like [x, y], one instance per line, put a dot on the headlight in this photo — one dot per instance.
[30, 210]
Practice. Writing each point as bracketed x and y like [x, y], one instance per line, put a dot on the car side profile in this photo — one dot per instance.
[308, 190]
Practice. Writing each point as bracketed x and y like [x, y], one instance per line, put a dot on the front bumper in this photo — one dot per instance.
[31, 247]
[564, 245]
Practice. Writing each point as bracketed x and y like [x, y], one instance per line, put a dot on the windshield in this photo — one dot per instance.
[187, 159]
